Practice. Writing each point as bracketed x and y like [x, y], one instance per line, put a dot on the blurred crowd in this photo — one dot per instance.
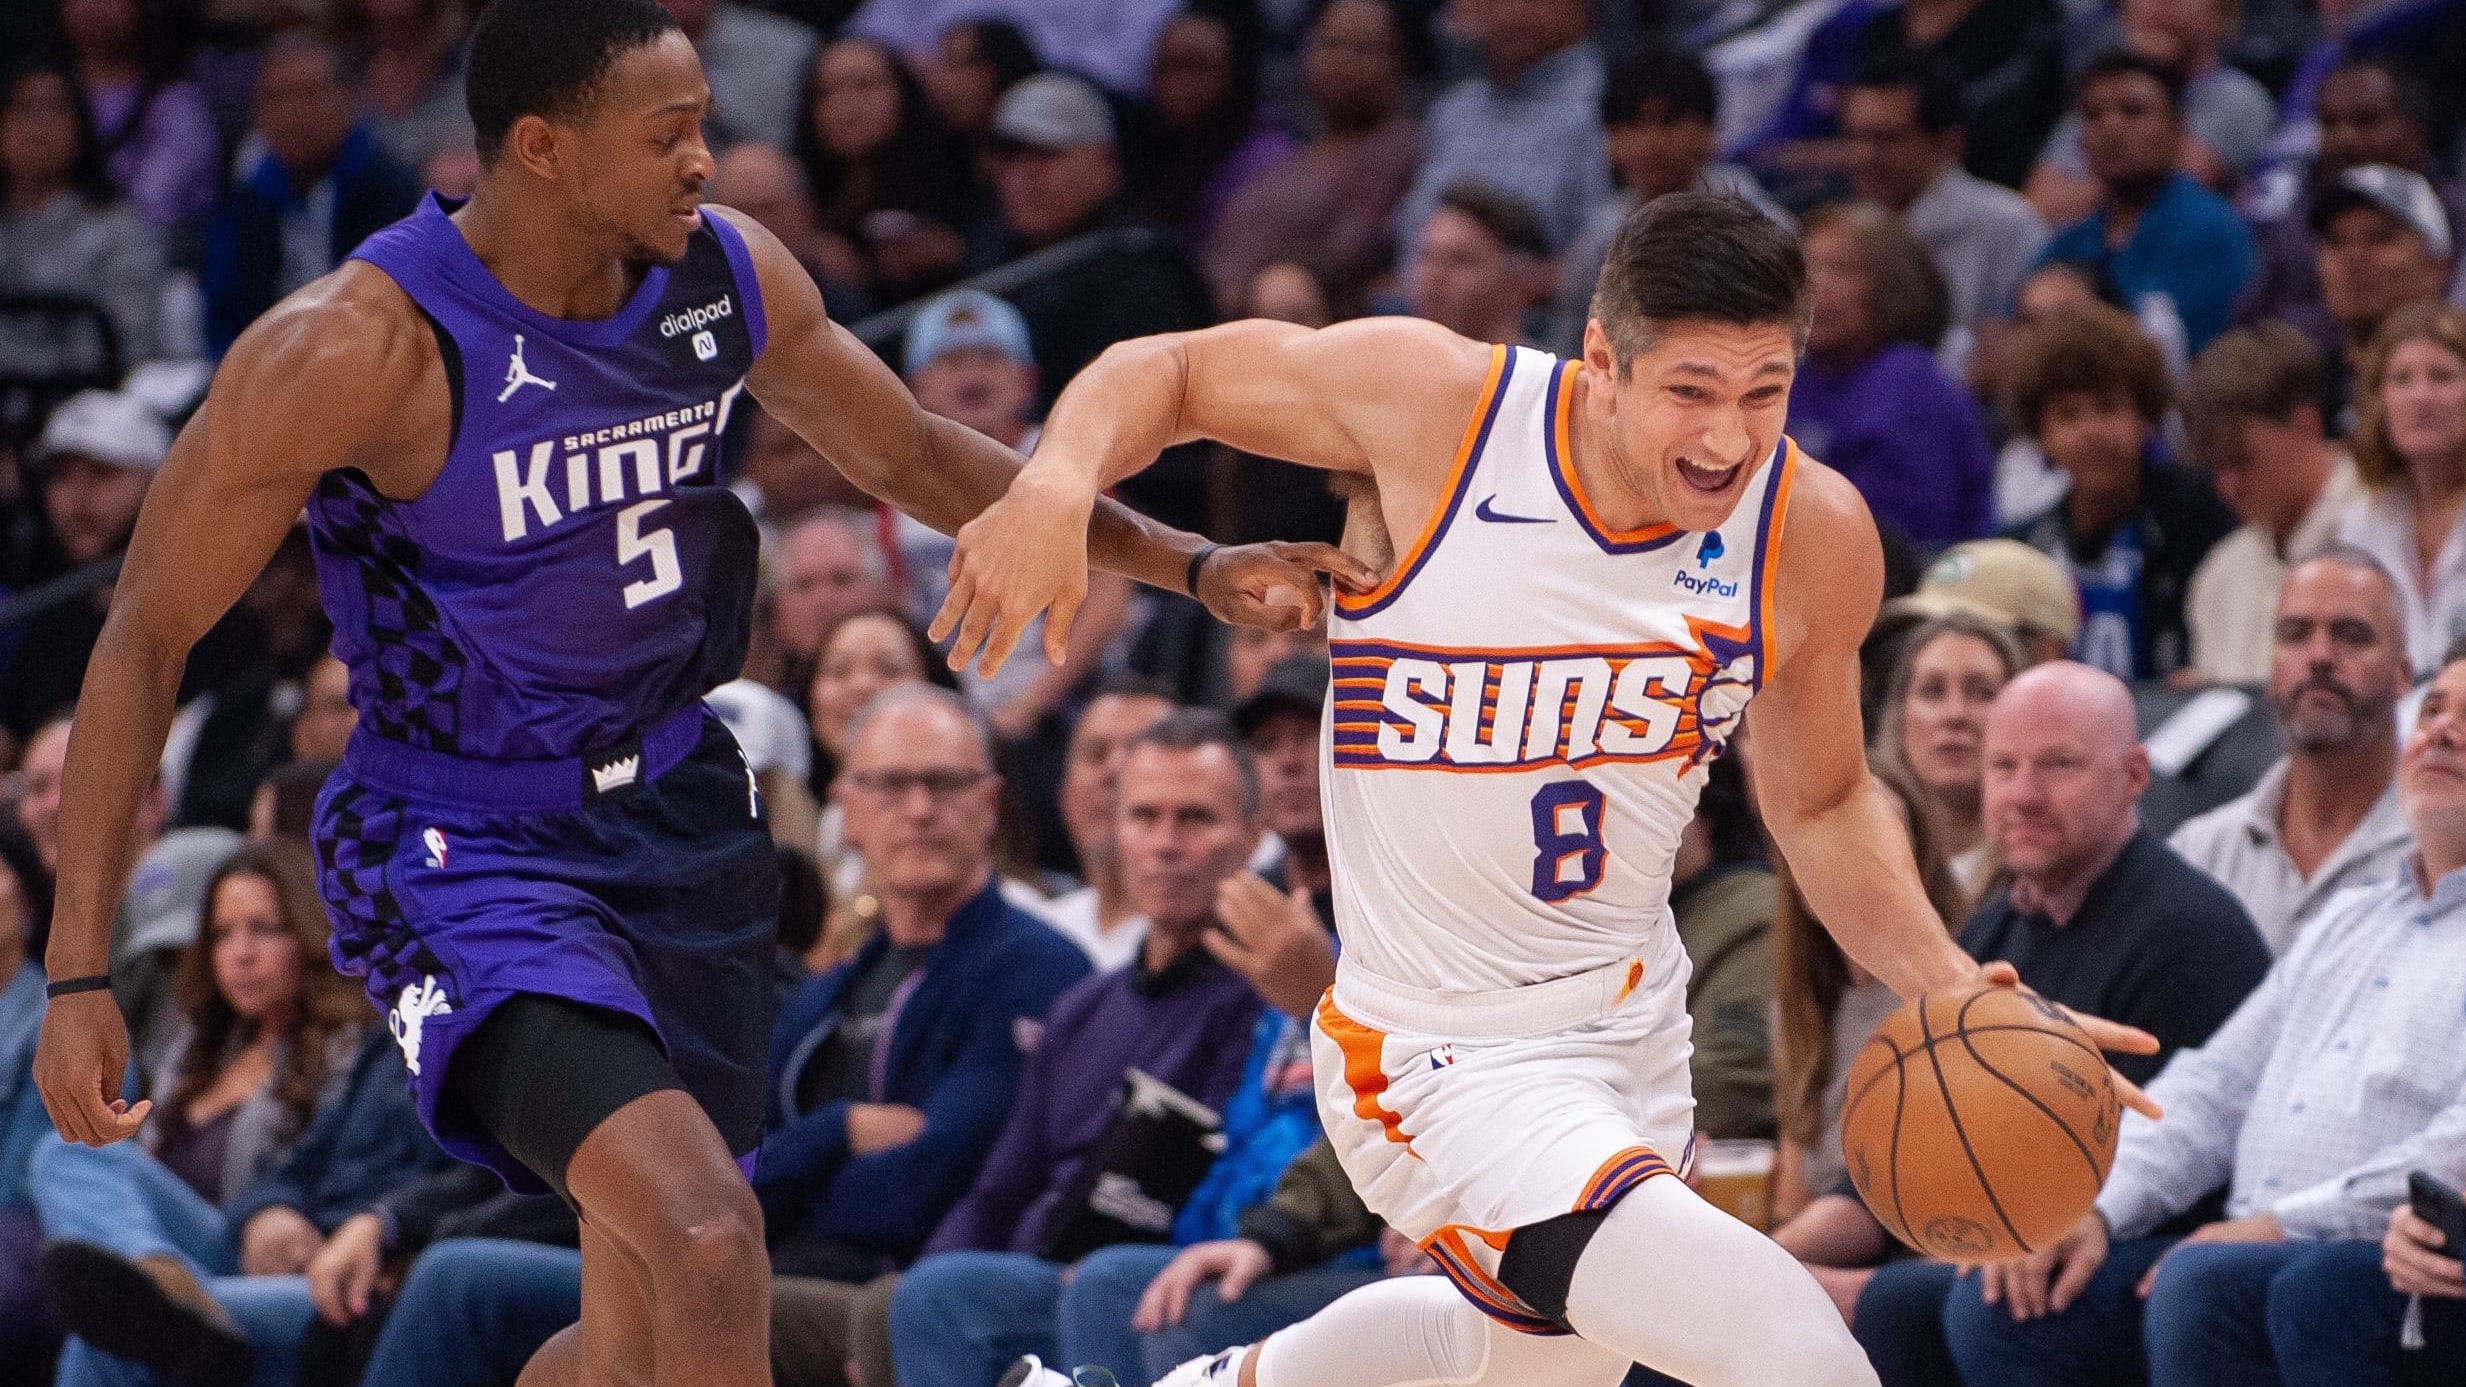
[2141, 327]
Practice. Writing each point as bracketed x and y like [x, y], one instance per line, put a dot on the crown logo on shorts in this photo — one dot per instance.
[617, 774]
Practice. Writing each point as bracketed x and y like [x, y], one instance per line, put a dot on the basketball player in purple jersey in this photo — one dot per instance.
[546, 859]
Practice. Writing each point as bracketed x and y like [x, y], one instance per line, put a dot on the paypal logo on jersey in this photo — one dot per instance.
[687, 320]
[1703, 584]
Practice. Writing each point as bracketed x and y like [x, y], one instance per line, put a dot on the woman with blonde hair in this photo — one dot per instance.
[1931, 733]
[2410, 450]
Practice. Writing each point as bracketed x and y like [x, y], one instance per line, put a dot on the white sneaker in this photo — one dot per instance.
[1031, 1372]
[1216, 1370]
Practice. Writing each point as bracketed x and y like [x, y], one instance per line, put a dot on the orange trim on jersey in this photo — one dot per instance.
[1365, 1071]
[1783, 471]
[1562, 431]
[1635, 978]
[1450, 493]
[1487, 1294]
[1619, 1174]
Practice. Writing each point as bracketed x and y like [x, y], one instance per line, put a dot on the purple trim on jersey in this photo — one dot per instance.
[524, 787]
[1559, 469]
[1755, 574]
[1455, 498]
[740, 260]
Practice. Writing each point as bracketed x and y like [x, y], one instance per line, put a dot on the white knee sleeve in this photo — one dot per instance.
[1417, 1331]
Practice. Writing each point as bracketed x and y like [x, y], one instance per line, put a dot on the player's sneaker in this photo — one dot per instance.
[1032, 1372]
[1222, 1369]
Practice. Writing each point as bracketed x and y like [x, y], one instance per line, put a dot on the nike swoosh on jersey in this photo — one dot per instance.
[1483, 512]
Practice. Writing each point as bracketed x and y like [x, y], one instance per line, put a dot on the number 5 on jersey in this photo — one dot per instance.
[659, 546]
[1568, 854]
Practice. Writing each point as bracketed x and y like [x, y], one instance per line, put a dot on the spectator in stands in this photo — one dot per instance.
[1100, 917]
[968, 359]
[1212, 137]
[2335, 1078]
[1189, 815]
[1902, 127]
[2323, 1297]
[2027, 592]
[93, 463]
[1330, 203]
[1480, 264]
[267, 1025]
[2227, 115]
[830, 567]
[1722, 899]
[974, 62]
[2373, 110]
[1109, 40]
[326, 716]
[1280, 722]
[2383, 243]
[755, 62]
[869, 650]
[1057, 175]
[893, 1072]
[2156, 230]
[2251, 409]
[1659, 110]
[889, 183]
[1529, 123]
[1872, 399]
[322, 186]
[410, 56]
[2410, 450]
[2090, 388]
[38, 798]
[2097, 913]
[26, 1336]
[63, 231]
[1933, 728]
[164, 154]
[2327, 816]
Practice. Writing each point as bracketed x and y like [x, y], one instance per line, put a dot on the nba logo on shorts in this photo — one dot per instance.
[1442, 1057]
[434, 840]
[705, 346]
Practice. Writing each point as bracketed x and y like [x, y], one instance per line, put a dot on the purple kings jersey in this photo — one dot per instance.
[579, 570]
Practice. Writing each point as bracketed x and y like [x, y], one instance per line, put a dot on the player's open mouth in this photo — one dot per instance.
[1712, 481]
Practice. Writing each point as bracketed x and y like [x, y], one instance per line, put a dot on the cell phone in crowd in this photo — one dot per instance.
[2440, 1206]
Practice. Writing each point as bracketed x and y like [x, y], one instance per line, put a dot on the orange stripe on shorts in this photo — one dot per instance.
[1363, 1071]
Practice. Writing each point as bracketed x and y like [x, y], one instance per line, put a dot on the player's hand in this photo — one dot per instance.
[880, 1126]
[278, 1242]
[1276, 585]
[2105, 1034]
[2257, 1228]
[2048, 1281]
[2411, 1253]
[1274, 940]
[1235, 1265]
[78, 1065]
[343, 1274]
[1025, 557]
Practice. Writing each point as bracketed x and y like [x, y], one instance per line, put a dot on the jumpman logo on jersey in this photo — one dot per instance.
[518, 375]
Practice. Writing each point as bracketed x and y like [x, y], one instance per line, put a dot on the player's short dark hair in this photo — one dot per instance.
[1701, 257]
[1195, 729]
[2087, 348]
[2123, 62]
[546, 58]
[1937, 95]
[2264, 371]
[1503, 215]
[1671, 76]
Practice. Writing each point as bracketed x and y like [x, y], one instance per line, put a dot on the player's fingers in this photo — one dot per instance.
[2131, 1096]
[2114, 1035]
[1991, 1285]
[1058, 623]
[974, 626]
[1349, 573]
[954, 606]
[1999, 974]
[1005, 638]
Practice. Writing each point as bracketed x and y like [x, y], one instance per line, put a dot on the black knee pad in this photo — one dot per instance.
[1540, 1261]
[541, 1073]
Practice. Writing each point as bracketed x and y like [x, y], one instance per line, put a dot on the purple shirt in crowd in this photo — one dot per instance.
[1907, 436]
[1189, 1026]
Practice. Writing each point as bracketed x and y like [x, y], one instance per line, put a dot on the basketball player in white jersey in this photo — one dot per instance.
[1607, 558]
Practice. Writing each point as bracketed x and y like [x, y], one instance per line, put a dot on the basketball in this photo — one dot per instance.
[1979, 1123]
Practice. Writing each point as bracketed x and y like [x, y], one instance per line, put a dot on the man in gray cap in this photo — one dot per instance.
[2382, 242]
[1057, 175]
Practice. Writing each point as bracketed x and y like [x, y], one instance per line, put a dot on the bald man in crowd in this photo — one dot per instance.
[2097, 913]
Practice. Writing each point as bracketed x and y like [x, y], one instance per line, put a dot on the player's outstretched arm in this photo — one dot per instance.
[1846, 844]
[295, 396]
[839, 397]
[1381, 397]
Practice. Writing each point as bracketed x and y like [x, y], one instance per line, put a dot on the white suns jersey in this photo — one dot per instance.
[1522, 715]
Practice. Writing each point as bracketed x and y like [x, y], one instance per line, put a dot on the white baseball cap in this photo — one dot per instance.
[112, 428]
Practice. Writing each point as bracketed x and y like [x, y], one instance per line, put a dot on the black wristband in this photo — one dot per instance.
[94, 982]
[1190, 577]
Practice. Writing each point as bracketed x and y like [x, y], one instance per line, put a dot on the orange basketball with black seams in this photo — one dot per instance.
[1979, 1123]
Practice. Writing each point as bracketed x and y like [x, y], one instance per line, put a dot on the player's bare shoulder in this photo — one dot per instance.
[343, 373]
